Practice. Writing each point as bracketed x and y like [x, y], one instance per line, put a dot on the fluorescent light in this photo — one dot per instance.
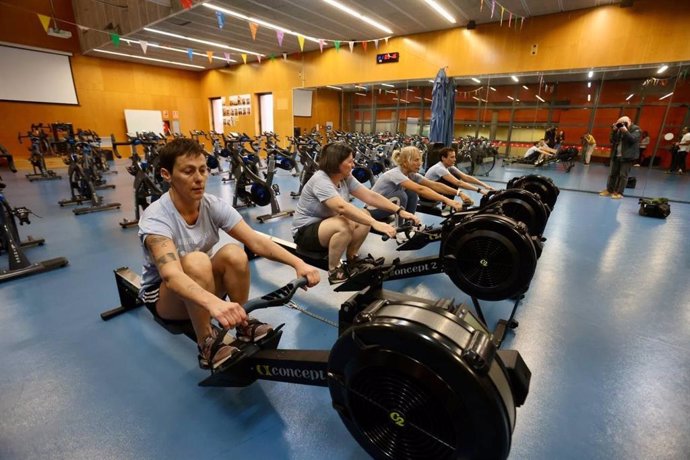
[431, 81]
[662, 69]
[178, 50]
[476, 80]
[410, 90]
[361, 87]
[258, 21]
[359, 16]
[150, 59]
[386, 84]
[475, 98]
[589, 84]
[540, 98]
[361, 94]
[334, 87]
[511, 98]
[440, 10]
[664, 97]
[492, 88]
[524, 86]
[629, 97]
[514, 78]
[391, 92]
[427, 99]
[589, 98]
[205, 42]
[517, 100]
[590, 74]
[401, 100]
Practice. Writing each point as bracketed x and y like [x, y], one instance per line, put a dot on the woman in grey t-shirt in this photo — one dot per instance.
[405, 184]
[325, 220]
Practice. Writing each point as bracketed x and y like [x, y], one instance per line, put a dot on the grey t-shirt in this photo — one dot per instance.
[162, 218]
[437, 171]
[389, 182]
[319, 189]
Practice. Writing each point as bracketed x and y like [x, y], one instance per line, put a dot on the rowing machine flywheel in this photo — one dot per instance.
[541, 185]
[521, 205]
[489, 256]
[412, 382]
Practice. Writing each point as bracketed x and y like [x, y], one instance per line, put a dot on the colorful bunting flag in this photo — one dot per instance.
[481, 5]
[45, 21]
[376, 44]
[510, 18]
[253, 27]
[364, 46]
[321, 42]
[386, 40]
[244, 57]
[493, 5]
[258, 58]
[501, 20]
[209, 55]
[336, 43]
[271, 57]
[82, 28]
[522, 21]
[115, 38]
[226, 55]
[279, 35]
[186, 4]
[284, 56]
[351, 44]
[300, 40]
[143, 45]
[221, 19]
[190, 53]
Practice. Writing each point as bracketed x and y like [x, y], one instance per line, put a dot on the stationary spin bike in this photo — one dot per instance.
[410, 378]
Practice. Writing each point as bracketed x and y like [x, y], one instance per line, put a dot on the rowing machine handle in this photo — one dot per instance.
[276, 298]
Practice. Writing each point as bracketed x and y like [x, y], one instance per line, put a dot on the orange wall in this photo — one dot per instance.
[325, 107]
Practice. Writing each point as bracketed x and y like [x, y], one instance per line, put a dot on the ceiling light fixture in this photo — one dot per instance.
[149, 59]
[525, 86]
[629, 97]
[431, 81]
[427, 99]
[589, 84]
[258, 21]
[440, 10]
[169, 48]
[410, 90]
[511, 98]
[475, 98]
[205, 42]
[515, 79]
[589, 98]
[361, 87]
[361, 94]
[386, 84]
[359, 16]
[540, 98]
[492, 88]
[662, 69]
[476, 80]
[590, 74]
[664, 97]
[334, 87]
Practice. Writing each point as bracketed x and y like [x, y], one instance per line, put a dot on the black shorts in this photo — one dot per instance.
[150, 297]
[307, 238]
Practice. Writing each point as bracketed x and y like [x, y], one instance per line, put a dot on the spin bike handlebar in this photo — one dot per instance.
[276, 298]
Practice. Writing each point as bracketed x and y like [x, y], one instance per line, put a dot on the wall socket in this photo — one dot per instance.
[534, 50]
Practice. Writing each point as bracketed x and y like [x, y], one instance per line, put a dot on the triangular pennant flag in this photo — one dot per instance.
[481, 5]
[493, 5]
[221, 19]
[190, 53]
[45, 21]
[186, 4]
[253, 27]
[279, 35]
[284, 56]
[321, 42]
[364, 46]
[258, 58]
[522, 22]
[501, 21]
[300, 40]
[510, 18]
[226, 55]
[143, 45]
[244, 57]
[82, 28]
[271, 57]
[376, 44]
[336, 43]
[209, 55]
[351, 44]
[115, 38]
[386, 40]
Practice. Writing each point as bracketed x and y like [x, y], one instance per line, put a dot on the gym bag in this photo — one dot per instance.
[655, 207]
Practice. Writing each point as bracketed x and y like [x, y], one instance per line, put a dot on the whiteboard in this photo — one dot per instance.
[144, 121]
[301, 102]
[30, 75]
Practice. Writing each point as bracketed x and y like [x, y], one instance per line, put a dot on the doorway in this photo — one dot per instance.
[217, 114]
[266, 112]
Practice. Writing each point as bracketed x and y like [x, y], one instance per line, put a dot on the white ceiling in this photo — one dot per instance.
[314, 18]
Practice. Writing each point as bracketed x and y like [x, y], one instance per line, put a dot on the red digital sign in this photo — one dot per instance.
[385, 58]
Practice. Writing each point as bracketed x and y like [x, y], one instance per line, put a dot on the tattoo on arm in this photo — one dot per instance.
[164, 259]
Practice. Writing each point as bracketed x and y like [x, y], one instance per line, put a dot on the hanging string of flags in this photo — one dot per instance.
[505, 12]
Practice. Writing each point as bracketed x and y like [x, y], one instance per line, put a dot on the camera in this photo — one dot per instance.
[620, 125]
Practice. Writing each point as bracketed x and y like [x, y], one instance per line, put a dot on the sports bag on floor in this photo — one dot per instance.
[655, 207]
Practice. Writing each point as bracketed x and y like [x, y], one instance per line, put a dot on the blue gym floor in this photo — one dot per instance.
[604, 328]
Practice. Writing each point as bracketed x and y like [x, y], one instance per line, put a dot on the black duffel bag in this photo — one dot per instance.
[655, 207]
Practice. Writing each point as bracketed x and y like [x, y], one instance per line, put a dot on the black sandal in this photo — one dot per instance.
[253, 331]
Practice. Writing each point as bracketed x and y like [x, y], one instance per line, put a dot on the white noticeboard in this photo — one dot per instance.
[144, 121]
[301, 102]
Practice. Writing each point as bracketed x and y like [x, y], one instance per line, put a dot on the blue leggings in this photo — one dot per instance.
[406, 198]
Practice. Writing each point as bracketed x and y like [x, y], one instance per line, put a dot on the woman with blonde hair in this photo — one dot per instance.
[404, 184]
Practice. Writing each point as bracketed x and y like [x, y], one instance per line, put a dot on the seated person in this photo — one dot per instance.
[10, 159]
[406, 185]
[182, 278]
[445, 172]
[325, 220]
[539, 152]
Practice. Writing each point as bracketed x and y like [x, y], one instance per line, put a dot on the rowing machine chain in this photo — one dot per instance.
[294, 306]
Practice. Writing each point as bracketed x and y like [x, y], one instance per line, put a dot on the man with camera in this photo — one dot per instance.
[625, 149]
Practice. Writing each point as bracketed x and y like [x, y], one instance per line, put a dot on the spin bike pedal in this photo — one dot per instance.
[276, 189]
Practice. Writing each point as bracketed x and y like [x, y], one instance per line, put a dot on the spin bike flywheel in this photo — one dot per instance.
[488, 256]
[361, 174]
[541, 185]
[260, 194]
[521, 205]
[413, 382]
